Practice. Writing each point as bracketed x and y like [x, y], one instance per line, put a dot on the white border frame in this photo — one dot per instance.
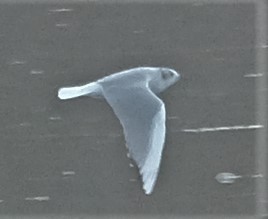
[261, 112]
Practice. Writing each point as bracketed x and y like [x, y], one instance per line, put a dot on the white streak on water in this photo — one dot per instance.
[36, 72]
[1, 201]
[61, 25]
[257, 176]
[25, 124]
[229, 178]
[37, 198]
[58, 10]
[54, 118]
[17, 62]
[224, 128]
[253, 75]
[226, 178]
[132, 180]
[68, 173]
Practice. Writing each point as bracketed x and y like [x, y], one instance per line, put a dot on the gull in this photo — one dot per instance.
[132, 94]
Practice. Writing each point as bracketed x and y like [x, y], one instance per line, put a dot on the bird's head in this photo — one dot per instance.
[162, 79]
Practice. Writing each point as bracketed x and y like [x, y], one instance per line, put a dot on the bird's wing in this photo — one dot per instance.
[142, 115]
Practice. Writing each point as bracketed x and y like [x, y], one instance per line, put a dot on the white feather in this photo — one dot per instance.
[150, 169]
[73, 92]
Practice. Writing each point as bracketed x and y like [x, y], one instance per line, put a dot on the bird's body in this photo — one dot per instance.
[132, 96]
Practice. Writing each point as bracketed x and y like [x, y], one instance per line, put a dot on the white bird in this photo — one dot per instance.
[132, 96]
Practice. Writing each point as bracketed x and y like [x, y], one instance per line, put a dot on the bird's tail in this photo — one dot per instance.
[73, 92]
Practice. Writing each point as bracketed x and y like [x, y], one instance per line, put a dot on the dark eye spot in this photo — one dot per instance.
[167, 74]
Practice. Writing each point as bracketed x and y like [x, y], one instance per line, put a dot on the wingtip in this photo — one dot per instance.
[147, 192]
[148, 188]
[149, 180]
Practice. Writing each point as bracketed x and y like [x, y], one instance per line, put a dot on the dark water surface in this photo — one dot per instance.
[211, 45]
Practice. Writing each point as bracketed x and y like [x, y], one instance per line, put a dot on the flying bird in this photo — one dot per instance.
[132, 94]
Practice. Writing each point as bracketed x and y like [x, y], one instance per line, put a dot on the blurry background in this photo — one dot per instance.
[69, 157]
